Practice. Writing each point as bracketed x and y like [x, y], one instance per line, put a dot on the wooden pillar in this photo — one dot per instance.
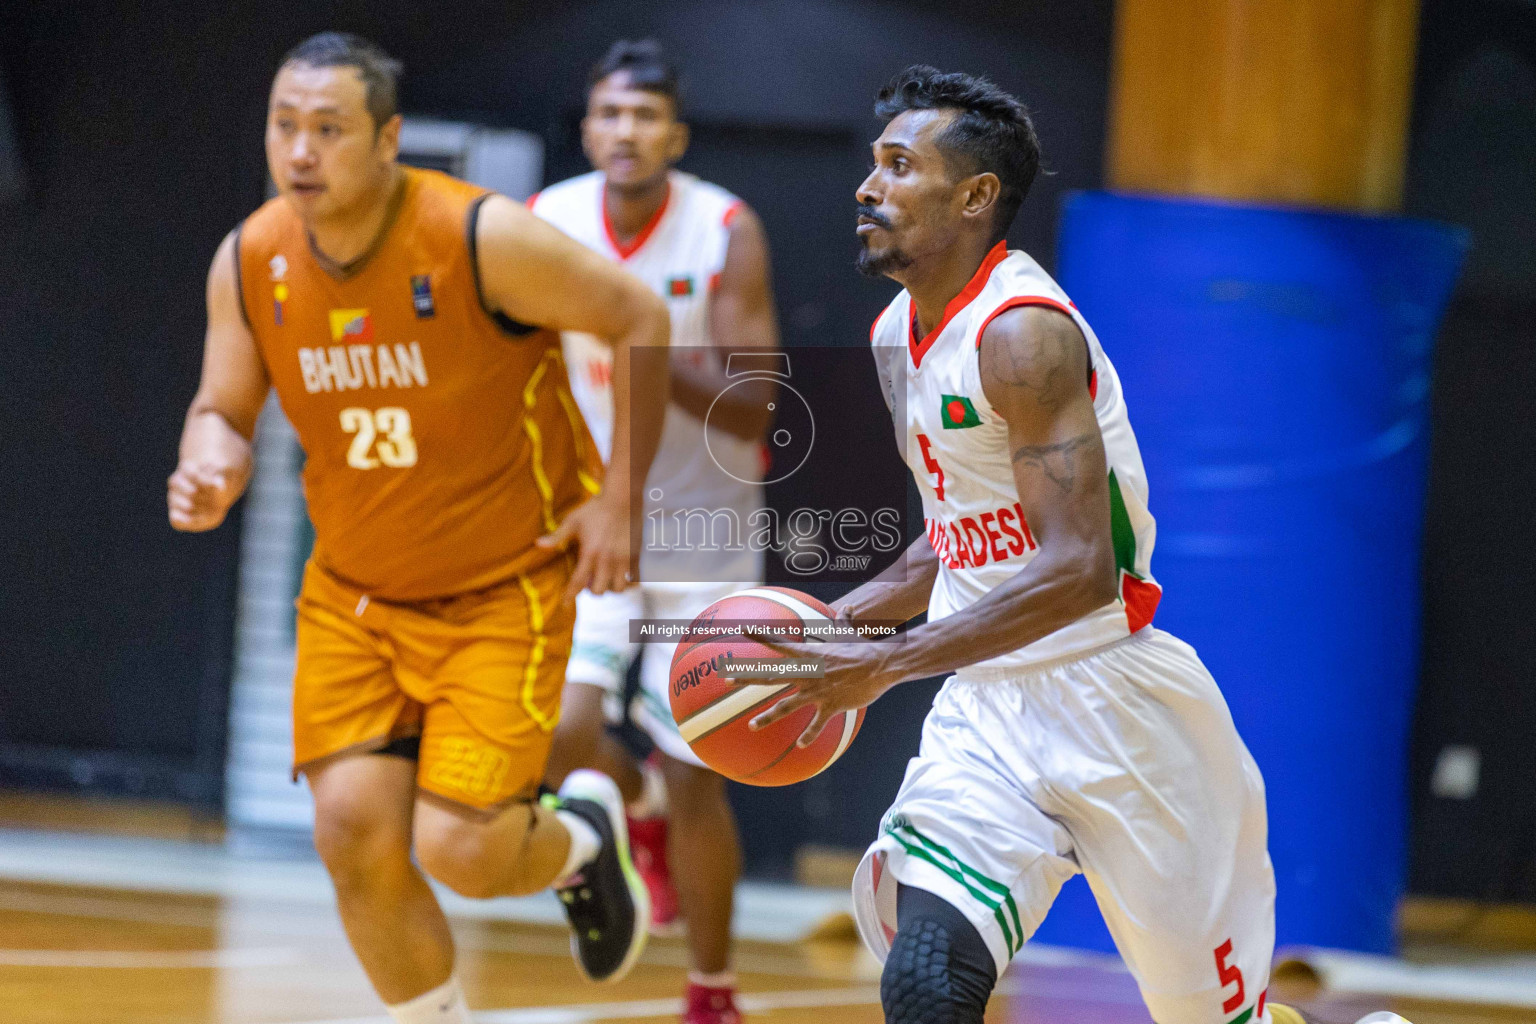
[1299, 102]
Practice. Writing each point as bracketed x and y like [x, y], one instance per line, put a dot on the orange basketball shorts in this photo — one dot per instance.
[476, 676]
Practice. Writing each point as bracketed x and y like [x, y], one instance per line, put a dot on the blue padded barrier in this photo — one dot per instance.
[1276, 364]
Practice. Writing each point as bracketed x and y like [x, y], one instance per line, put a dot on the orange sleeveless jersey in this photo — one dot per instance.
[440, 442]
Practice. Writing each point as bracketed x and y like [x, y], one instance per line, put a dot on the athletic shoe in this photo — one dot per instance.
[648, 840]
[605, 901]
[711, 1006]
[1381, 1017]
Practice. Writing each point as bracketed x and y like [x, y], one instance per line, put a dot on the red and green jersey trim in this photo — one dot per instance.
[1139, 595]
[1037, 300]
[625, 251]
[1253, 1013]
[919, 347]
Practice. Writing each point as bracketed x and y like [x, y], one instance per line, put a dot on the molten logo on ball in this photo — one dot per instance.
[713, 712]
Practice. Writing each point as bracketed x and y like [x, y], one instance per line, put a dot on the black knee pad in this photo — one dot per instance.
[940, 970]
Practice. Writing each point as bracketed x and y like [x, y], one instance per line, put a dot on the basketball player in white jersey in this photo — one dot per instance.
[705, 252]
[1072, 735]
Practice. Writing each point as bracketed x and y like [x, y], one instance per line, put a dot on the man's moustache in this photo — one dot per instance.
[873, 216]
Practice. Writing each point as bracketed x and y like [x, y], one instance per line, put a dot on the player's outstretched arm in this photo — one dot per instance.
[900, 592]
[741, 318]
[214, 464]
[534, 274]
[1034, 372]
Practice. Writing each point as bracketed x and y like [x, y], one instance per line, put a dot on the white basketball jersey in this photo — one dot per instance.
[957, 448]
[679, 254]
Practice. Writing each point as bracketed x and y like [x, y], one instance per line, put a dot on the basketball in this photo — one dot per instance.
[713, 715]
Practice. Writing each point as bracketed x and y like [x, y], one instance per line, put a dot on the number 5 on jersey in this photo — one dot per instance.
[396, 447]
[932, 465]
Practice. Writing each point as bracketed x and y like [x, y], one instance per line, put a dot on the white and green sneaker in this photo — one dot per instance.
[605, 901]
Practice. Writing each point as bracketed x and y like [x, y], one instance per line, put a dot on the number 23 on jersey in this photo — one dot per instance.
[381, 437]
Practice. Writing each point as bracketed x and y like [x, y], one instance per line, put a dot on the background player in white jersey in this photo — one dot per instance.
[705, 252]
[1073, 735]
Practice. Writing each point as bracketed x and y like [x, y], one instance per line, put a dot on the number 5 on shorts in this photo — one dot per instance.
[1229, 973]
[396, 448]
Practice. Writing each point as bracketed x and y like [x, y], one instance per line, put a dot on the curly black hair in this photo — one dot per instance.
[992, 132]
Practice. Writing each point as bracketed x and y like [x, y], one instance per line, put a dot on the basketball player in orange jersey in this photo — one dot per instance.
[408, 322]
[705, 252]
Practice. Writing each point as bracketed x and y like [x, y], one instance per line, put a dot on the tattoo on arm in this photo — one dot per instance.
[1039, 365]
[1059, 461]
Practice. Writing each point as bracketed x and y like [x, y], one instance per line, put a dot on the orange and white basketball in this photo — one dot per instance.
[713, 714]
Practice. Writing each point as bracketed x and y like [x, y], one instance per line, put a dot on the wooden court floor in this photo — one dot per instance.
[72, 956]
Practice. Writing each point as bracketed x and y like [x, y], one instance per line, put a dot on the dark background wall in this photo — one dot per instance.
[139, 132]
[1473, 162]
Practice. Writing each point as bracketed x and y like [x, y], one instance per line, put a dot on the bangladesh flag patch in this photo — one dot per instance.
[680, 287]
[957, 412]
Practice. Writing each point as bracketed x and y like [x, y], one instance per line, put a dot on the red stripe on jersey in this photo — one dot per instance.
[626, 251]
[731, 212]
[714, 281]
[533, 199]
[1140, 598]
[1039, 300]
[1015, 303]
[972, 289]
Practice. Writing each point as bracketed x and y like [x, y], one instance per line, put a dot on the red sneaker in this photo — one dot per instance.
[711, 1005]
[648, 850]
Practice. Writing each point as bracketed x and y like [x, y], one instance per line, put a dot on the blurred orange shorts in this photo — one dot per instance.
[476, 676]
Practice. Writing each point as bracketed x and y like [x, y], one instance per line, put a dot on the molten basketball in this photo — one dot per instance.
[713, 715]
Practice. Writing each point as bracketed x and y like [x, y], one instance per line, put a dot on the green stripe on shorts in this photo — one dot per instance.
[661, 711]
[993, 884]
[927, 850]
[610, 658]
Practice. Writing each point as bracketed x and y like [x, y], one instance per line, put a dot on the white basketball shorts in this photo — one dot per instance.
[602, 653]
[1123, 764]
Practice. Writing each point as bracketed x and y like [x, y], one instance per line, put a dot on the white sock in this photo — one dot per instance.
[443, 1005]
[585, 844]
[724, 979]
[652, 802]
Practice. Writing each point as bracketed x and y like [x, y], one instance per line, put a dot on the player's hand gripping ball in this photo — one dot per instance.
[713, 714]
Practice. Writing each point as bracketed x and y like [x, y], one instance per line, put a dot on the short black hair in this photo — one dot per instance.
[993, 131]
[379, 71]
[648, 66]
